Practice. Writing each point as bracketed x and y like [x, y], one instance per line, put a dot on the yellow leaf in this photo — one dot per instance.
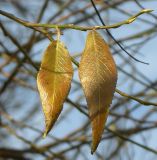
[53, 81]
[98, 75]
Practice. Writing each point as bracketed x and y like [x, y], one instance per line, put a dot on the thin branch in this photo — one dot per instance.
[133, 142]
[72, 26]
[135, 98]
[109, 33]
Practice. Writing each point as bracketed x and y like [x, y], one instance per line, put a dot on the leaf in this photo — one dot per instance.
[53, 81]
[98, 75]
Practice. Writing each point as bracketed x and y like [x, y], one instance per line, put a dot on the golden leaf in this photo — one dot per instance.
[98, 75]
[53, 81]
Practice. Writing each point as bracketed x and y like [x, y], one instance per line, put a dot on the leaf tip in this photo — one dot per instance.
[92, 151]
[93, 148]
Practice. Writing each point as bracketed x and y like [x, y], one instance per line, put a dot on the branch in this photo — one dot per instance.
[72, 26]
[135, 99]
[13, 153]
[131, 19]
[131, 141]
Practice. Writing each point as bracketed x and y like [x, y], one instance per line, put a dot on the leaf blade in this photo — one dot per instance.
[98, 77]
[53, 81]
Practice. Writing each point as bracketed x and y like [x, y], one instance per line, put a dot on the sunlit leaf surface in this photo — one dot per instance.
[98, 76]
[53, 81]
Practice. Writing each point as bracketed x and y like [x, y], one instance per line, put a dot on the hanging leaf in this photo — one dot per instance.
[98, 76]
[53, 81]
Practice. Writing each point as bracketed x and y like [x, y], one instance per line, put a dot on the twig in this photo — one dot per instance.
[129, 140]
[135, 98]
[72, 26]
[130, 20]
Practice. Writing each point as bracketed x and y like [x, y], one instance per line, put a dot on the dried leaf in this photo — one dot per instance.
[53, 81]
[98, 76]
